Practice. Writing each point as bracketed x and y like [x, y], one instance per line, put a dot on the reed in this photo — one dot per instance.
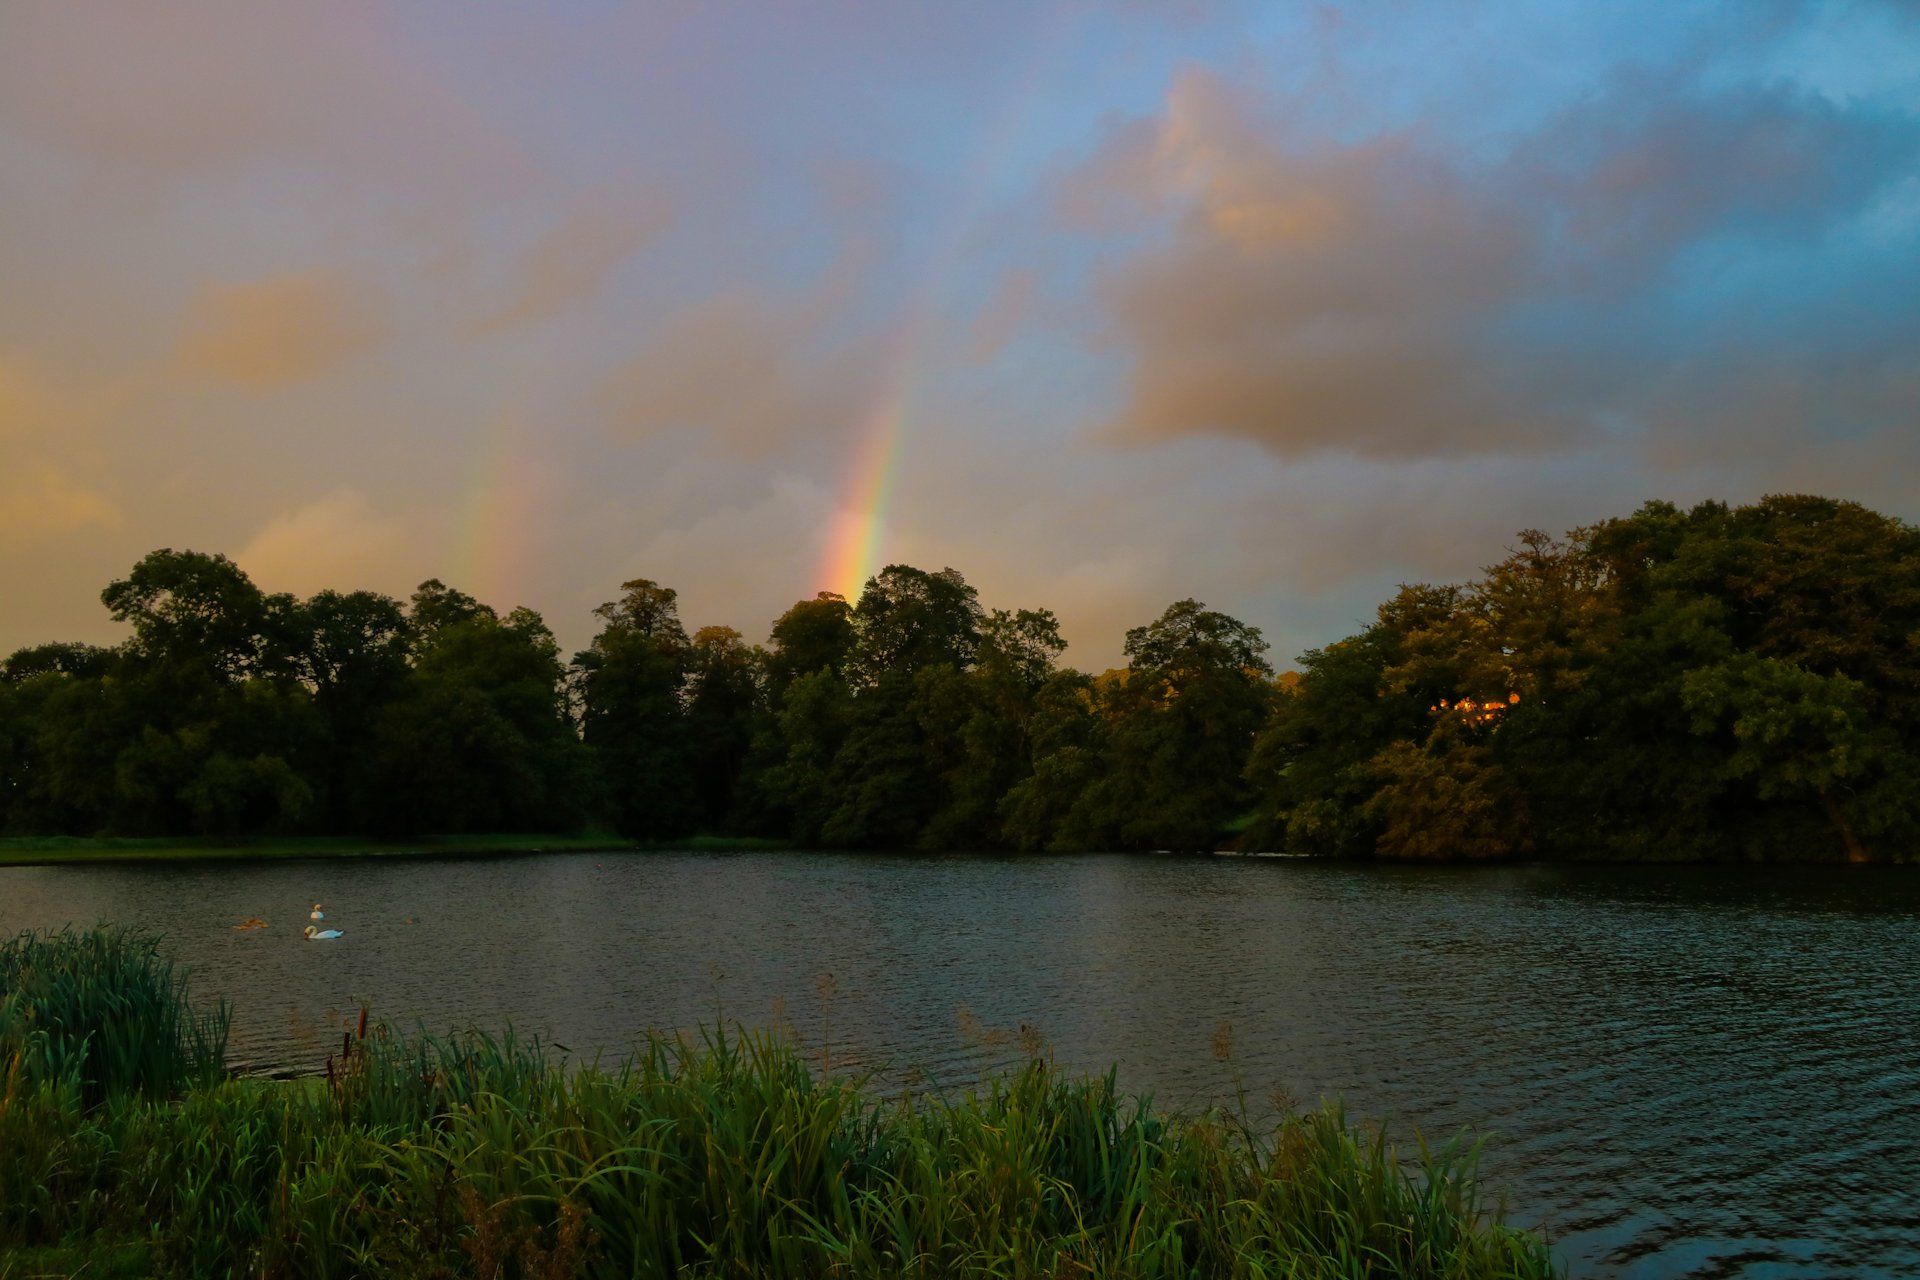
[104, 1009]
[493, 1156]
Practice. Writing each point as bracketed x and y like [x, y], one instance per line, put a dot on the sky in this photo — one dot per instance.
[1103, 304]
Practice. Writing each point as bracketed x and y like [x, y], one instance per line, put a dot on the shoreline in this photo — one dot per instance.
[45, 851]
[48, 851]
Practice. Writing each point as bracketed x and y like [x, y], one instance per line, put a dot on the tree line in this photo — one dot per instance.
[1721, 682]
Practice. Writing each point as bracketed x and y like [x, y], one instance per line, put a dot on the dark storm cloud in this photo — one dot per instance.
[1386, 297]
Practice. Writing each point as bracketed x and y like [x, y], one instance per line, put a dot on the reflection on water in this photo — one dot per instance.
[1688, 1070]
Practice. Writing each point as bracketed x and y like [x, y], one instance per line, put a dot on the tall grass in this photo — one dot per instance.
[475, 1155]
[103, 1009]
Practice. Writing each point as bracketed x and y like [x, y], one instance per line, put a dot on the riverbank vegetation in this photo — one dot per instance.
[18, 851]
[1717, 683]
[124, 1151]
[55, 850]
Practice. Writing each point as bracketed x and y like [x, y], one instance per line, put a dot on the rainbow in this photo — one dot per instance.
[504, 494]
[853, 542]
[508, 489]
[856, 535]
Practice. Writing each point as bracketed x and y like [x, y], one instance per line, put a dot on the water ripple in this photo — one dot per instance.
[1686, 1071]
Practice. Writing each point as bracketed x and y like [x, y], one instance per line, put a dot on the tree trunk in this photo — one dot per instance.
[1856, 852]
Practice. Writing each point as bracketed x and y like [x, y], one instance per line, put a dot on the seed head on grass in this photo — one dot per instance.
[1220, 1044]
[826, 987]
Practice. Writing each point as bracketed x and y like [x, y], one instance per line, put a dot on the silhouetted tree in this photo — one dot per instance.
[1718, 682]
[631, 685]
[909, 618]
[814, 635]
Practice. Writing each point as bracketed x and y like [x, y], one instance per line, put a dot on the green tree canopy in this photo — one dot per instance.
[909, 618]
[814, 635]
[1714, 682]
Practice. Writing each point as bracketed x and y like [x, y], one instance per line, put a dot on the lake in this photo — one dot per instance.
[1684, 1070]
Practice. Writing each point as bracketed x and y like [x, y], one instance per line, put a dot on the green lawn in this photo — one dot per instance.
[43, 850]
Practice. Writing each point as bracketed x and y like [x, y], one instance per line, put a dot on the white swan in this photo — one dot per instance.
[316, 913]
[321, 935]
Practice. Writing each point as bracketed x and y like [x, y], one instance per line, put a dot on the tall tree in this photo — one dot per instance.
[1057, 806]
[909, 618]
[631, 686]
[814, 635]
[201, 726]
[479, 739]
[351, 650]
[977, 725]
[1198, 689]
[723, 712]
[190, 609]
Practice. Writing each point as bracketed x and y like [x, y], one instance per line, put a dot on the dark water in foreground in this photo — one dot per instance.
[1690, 1071]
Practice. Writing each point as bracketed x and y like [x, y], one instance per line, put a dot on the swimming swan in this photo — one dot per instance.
[316, 913]
[321, 935]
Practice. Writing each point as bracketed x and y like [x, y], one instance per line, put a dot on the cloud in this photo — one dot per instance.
[1314, 297]
[1642, 172]
[39, 498]
[278, 331]
[1382, 297]
[1001, 319]
[751, 369]
[569, 265]
[338, 541]
[181, 90]
[1387, 284]
[764, 537]
[27, 409]
[39, 501]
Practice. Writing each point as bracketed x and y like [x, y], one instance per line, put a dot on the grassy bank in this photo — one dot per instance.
[54, 850]
[123, 1151]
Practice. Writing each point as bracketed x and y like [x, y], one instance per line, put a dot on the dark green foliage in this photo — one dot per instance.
[471, 1155]
[1719, 683]
[195, 724]
[351, 651]
[725, 710]
[1197, 691]
[1312, 765]
[909, 618]
[103, 1012]
[813, 722]
[192, 609]
[1052, 807]
[814, 635]
[84, 660]
[232, 713]
[630, 685]
[478, 738]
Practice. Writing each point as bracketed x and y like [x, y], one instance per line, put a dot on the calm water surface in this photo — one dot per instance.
[1688, 1071]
